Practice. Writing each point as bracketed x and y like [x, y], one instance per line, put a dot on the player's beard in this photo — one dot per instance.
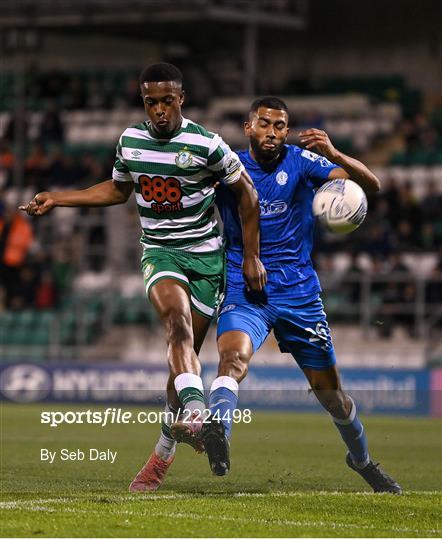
[266, 156]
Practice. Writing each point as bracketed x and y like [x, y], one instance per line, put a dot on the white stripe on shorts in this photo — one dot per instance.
[165, 273]
[202, 307]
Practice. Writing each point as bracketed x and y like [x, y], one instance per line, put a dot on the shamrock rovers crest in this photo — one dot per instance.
[148, 270]
[183, 158]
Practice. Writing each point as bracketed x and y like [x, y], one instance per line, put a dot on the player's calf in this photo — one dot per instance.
[232, 368]
[336, 403]
[223, 400]
[353, 434]
[235, 350]
[327, 388]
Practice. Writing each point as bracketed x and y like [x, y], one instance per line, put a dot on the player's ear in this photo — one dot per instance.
[247, 127]
[182, 97]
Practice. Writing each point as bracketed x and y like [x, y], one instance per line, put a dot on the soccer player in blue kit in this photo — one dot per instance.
[285, 177]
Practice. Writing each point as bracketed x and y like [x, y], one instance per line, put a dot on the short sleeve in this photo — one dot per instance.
[223, 162]
[120, 172]
[315, 167]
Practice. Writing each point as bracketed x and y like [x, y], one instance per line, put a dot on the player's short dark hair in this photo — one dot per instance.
[161, 72]
[270, 102]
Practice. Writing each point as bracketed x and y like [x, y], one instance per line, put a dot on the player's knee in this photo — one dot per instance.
[233, 364]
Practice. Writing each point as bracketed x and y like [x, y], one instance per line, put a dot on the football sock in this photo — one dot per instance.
[166, 445]
[352, 432]
[190, 390]
[223, 399]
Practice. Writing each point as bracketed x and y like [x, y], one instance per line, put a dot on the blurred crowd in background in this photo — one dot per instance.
[38, 276]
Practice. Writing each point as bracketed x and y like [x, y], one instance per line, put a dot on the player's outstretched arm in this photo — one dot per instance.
[248, 208]
[351, 168]
[106, 193]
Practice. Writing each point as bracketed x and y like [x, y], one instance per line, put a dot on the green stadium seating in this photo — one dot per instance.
[399, 158]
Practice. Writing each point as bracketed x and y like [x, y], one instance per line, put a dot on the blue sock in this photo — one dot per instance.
[353, 434]
[223, 399]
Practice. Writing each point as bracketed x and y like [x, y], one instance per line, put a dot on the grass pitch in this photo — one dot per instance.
[288, 479]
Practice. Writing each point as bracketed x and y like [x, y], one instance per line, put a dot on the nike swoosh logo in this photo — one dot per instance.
[220, 401]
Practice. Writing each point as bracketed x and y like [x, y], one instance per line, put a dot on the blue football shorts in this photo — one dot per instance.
[300, 327]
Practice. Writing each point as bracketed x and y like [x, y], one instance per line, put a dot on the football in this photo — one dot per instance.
[341, 205]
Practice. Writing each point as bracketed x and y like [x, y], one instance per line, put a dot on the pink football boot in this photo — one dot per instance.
[189, 432]
[152, 475]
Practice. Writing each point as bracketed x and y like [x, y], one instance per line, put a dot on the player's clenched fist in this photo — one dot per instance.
[41, 204]
[319, 140]
[254, 272]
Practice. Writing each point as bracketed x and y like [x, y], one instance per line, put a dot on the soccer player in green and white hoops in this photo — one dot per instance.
[173, 163]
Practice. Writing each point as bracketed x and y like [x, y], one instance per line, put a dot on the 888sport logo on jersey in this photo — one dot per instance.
[164, 193]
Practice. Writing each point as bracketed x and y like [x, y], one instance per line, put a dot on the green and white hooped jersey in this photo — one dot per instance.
[174, 183]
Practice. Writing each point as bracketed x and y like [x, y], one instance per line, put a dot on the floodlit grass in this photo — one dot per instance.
[288, 478]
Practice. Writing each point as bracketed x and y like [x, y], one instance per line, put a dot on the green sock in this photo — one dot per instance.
[190, 391]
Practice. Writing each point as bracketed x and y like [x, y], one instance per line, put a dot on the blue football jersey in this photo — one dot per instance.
[285, 190]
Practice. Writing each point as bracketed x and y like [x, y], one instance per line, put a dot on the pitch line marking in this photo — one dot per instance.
[245, 494]
[189, 496]
[287, 522]
[332, 493]
[180, 496]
